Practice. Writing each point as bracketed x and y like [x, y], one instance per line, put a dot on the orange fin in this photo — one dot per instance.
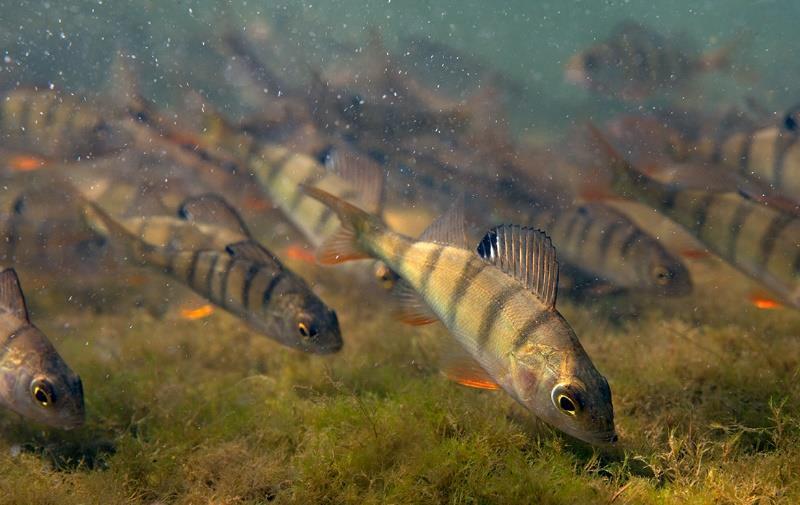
[300, 253]
[340, 248]
[765, 302]
[458, 366]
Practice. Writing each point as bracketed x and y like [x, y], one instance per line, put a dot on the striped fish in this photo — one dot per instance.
[757, 239]
[500, 307]
[54, 124]
[635, 62]
[35, 381]
[767, 155]
[230, 270]
[603, 242]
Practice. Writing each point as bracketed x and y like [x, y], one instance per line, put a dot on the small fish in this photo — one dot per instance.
[224, 265]
[499, 305]
[53, 124]
[635, 62]
[757, 239]
[604, 242]
[35, 381]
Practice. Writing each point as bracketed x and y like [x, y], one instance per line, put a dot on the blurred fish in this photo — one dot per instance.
[759, 240]
[769, 155]
[605, 243]
[635, 62]
[500, 307]
[55, 124]
[224, 265]
[35, 381]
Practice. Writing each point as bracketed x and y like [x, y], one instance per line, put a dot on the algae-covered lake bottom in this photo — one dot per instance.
[705, 391]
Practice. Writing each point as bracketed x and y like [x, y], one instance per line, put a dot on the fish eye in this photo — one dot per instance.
[564, 400]
[42, 392]
[590, 61]
[662, 275]
[307, 330]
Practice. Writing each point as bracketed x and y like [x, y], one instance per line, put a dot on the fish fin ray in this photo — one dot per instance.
[11, 298]
[411, 308]
[525, 254]
[342, 245]
[362, 173]
[448, 229]
[460, 367]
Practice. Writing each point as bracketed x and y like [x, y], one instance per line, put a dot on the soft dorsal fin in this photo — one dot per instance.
[211, 208]
[146, 202]
[11, 298]
[362, 173]
[527, 255]
[460, 367]
[253, 251]
[448, 229]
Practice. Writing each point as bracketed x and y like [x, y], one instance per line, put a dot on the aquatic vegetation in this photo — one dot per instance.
[192, 411]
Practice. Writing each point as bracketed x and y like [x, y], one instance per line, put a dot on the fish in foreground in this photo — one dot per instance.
[500, 306]
[635, 62]
[230, 269]
[35, 381]
[757, 239]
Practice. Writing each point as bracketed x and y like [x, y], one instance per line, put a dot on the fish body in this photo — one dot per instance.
[54, 124]
[759, 240]
[233, 272]
[606, 243]
[35, 381]
[502, 314]
[635, 62]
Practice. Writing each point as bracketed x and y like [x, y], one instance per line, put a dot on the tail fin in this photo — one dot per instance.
[720, 59]
[626, 179]
[343, 245]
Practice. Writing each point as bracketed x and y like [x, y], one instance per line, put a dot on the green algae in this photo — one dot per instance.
[706, 396]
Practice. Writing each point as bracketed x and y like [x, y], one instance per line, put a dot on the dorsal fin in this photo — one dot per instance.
[527, 255]
[448, 229]
[146, 202]
[11, 298]
[211, 208]
[362, 173]
[253, 251]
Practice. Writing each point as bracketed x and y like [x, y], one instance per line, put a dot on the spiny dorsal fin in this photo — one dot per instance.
[448, 229]
[11, 298]
[525, 254]
[460, 367]
[211, 208]
[362, 173]
[411, 308]
[253, 251]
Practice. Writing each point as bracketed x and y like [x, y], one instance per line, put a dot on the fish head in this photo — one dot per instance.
[306, 323]
[666, 274]
[38, 384]
[559, 383]
[590, 68]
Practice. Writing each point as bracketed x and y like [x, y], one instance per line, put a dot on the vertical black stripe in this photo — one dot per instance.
[740, 215]
[530, 327]
[248, 282]
[573, 220]
[700, 213]
[771, 234]
[472, 268]
[744, 154]
[192, 268]
[605, 241]
[430, 265]
[584, 234]
[211, 272]
[266, 295]
[670, 197]
[797, 264]
[399, 255]
[493, 310]
[632, 239]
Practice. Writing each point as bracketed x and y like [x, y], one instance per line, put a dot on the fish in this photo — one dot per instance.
[605, 243]
[227, 267]
[498, 303]
[35, 381]
[758, 240]
[636, 62]
[55, 124]
[765, 154]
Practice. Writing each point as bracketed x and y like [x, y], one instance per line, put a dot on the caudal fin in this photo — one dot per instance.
[626, 178]
[344, 244]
